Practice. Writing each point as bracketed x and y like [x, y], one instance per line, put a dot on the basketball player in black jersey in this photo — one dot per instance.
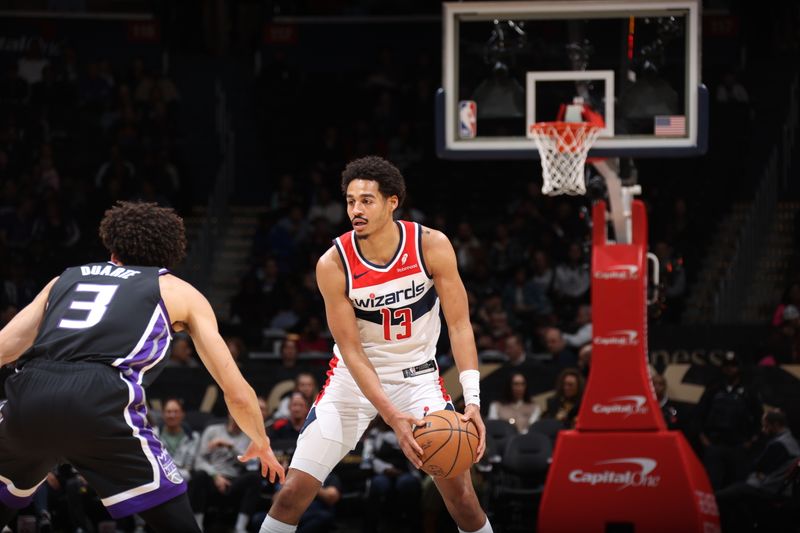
[85, 350]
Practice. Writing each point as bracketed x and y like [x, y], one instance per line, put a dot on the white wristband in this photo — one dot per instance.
[471, 385]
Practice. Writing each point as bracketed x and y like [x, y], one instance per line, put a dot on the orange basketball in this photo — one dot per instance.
[449, 445]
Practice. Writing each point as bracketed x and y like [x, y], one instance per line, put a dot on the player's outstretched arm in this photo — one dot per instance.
[440, 259]
[21, 331]
[190, 310]
[344, 328]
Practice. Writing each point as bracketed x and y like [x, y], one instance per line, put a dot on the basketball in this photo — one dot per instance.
[449, 445]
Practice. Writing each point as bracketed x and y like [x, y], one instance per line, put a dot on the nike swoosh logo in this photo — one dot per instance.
[356, 276]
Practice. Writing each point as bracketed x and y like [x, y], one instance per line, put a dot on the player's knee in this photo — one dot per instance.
[291, 501]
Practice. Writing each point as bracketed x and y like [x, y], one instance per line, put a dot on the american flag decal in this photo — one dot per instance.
[670, 125]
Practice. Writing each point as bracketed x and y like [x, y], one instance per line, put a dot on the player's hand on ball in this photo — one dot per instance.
[270, 466]
[473, 412]
[402, 424]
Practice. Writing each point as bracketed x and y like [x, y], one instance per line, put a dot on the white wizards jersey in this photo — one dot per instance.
[396, 305]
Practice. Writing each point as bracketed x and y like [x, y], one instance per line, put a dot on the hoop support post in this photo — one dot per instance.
[620, 199]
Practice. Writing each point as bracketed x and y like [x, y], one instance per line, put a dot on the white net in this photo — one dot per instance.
[563, 147]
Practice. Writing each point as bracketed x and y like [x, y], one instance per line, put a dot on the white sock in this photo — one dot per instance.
[487, 528]
[241, 522]
[270, 525]
[198, 517]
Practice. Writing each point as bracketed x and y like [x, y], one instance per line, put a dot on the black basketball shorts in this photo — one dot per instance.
[92, 416]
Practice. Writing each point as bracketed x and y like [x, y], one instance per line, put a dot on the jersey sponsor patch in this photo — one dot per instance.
[424, 368]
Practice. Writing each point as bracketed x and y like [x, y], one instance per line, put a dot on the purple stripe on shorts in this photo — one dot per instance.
[170, 482]
[145, 501]
[15, 502]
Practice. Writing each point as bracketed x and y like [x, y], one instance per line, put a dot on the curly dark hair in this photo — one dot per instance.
[375, 168]
[144, 234]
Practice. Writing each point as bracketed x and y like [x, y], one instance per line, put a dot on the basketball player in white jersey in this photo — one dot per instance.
[383, 283]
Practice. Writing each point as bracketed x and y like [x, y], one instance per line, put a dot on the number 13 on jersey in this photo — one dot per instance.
[403, 316]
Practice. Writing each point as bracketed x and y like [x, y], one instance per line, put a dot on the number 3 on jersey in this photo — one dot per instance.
[96, 308]
[403, 316]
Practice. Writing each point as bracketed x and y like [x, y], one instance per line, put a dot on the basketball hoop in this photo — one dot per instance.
[563, 147]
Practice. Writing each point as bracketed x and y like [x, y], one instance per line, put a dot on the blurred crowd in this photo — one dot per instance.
[78, 133]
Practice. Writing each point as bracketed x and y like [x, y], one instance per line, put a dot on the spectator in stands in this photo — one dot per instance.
[571, 280]
[68, 491]
[270, 279]
[524, 299]
[505, 253]
[289, 314]
[499, 328]
[179, 439]
[220, 477]
[289, 428]
[562, 356]
[543, 276]
[765, 483]
[311, 339]
[566, 402]
[237, 348]
[467, 247]
[728, 414]
[288, 352]
[672, 286]
[182, 354]
[326, 207]
[263, 406]
[395, 487]
[669, 409]
[582, 327]
[515, 405]
[306, 384]
[515, 351]
[32, 63]
[791, 296]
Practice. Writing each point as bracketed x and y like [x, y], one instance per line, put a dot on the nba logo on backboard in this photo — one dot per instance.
[467, 119]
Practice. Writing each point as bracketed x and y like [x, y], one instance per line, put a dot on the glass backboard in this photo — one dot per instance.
[508, 65]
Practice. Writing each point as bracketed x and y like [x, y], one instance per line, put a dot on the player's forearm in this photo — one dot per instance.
[462, 342]
[18, 335]
[243, 406]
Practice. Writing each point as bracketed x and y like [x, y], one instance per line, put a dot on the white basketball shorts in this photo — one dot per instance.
[342, 413]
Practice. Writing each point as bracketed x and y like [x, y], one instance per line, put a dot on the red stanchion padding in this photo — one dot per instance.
[619, 395]
[644, 482]
[620, 470]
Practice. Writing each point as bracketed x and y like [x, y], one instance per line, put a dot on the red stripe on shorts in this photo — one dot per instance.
[444, 390]
[332, 365]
